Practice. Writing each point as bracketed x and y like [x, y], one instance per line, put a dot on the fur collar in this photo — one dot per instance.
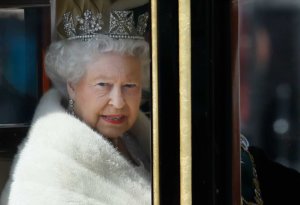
[63, 161]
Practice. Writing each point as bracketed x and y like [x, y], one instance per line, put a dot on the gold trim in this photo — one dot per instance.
[155, 120]
[185, 102]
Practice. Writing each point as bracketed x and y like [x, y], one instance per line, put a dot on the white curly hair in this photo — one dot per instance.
[66, 60]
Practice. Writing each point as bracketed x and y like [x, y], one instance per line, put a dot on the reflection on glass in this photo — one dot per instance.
[18, 67]
[270, 85]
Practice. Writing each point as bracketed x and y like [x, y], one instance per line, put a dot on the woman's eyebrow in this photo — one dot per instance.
[101, 76]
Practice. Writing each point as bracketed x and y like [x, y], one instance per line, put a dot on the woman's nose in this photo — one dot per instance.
[116, 98]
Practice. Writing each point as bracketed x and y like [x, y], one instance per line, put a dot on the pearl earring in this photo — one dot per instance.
[71, 107]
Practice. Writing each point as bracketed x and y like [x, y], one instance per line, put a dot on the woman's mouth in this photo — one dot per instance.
[114, 119]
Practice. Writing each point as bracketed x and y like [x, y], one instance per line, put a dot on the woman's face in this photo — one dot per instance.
[108, 96]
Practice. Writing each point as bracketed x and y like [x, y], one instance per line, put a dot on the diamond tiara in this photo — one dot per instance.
[119, 25]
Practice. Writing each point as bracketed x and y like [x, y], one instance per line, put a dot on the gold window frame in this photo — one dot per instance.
[185, 98]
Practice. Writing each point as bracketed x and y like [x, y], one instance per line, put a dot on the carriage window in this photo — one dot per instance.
[270, 84]
[20, 47]
[24, 37]
[18, 75]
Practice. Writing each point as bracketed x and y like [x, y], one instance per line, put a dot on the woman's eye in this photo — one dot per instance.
[131, 85]
[103, 84]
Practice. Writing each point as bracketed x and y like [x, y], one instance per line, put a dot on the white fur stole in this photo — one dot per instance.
[63, 161]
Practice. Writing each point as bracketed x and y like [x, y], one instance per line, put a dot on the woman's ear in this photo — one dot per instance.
[71, 90]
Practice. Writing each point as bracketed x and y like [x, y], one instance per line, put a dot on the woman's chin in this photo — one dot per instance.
[111, 131]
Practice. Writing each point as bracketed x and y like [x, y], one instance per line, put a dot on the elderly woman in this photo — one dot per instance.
[78, 150]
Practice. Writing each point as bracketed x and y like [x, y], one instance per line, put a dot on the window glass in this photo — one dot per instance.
[270, 84]
[19, 64]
